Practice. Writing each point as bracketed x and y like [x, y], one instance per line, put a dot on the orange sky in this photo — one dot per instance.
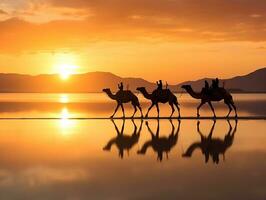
[174, 40]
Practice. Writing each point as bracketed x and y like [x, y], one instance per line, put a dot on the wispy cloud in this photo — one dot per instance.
[2, 12]
[75, 22]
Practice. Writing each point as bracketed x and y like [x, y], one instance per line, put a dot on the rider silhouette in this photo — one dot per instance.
[159, 85]
[206, 88]
[121, 86]
[215, 83]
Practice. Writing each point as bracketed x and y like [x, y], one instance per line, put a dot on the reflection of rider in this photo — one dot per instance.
[212, 146]
[124, 142]
[161, 145]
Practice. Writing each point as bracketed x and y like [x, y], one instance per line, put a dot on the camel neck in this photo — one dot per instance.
[112, 96]
[193, 93]
[146, 94]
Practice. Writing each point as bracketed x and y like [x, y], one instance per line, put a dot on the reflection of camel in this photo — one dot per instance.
[212, 146]
[124, 142]
[160, 96]
[216, 95]
[161, 144]
[124, 96]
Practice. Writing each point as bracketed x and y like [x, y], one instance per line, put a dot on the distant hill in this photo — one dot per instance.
[96, 81]
[78, 83]
[252, 82]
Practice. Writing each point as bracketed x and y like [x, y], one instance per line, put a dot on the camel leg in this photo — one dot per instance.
[135, 110]
[198, 108]
[149, 110]
[158, 110]
[176, 104]
[123, 110]
[118, 105]
[210, 104]
[232, 103]
[173, 109]
[229, 107]
[140, 111]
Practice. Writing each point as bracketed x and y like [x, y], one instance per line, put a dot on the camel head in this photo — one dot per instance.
[186, 87]
[107, 148]
[186, 155]
[106, 90]
[141, 89]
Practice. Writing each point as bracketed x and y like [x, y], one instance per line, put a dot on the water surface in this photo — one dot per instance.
[99, 105]
[92, 159]
[150, 159]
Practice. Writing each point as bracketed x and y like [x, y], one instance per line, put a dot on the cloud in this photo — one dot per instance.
[255, 16]
[261, 48]
[68, 23]
[2, 12]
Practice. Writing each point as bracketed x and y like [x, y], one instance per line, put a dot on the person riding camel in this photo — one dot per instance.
[159, 85]
[121, 86]
[215, 83]
[206, 88]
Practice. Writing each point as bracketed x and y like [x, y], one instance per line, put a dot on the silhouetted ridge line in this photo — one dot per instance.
[95, 81]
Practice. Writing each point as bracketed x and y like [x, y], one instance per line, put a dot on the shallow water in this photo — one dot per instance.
[150, 159]
[80, 159]
[99, 105]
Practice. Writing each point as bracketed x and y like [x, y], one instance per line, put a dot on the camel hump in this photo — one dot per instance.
[124, 92]
[219, 91]
[161, 92]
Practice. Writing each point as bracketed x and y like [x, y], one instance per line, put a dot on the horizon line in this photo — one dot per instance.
[139, 118]
[88, 72]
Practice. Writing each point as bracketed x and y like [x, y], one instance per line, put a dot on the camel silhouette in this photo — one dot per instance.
[215, 95]
[124, 142]
[161, 144]
[212, 146]
[124, 96]
[160, 96]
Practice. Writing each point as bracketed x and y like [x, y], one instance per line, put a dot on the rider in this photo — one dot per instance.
[121, 86]
[159, 85]
[206, 88]
[215, 83]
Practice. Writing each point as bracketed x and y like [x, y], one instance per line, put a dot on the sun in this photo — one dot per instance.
[65, 65]
[66, 70]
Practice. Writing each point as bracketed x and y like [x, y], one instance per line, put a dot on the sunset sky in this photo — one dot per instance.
[173, 40]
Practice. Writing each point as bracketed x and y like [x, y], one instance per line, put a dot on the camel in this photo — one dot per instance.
[161, 144]
[124, 142]
[124, 96]
[163, 96]
[212, 146]
[215, 95]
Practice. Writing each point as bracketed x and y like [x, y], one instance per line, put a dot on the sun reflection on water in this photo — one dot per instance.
[64, 98]
[66, 124]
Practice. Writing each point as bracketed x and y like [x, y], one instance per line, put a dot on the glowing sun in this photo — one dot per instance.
[66, 70]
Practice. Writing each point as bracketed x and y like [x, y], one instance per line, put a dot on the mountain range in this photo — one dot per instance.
[96, 81]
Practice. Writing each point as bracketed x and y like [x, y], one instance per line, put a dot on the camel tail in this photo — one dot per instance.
[138, 103]
[176, 101]
[231, 98]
